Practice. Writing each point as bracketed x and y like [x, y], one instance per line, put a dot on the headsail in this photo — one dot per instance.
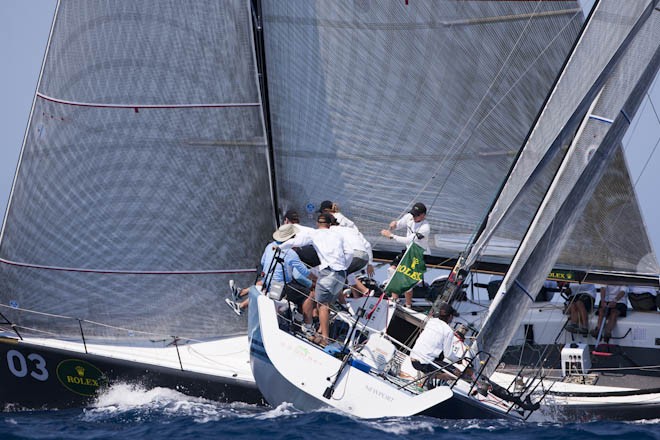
[584, 73]
[145, 153]
[594, 145]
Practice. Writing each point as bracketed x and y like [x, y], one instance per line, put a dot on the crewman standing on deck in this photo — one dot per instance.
[417, 230]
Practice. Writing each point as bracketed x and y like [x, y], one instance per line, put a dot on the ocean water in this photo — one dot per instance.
[126, 412]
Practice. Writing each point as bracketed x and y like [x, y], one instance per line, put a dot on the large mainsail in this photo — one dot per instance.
[379, 104]
[144, 165]
[596, 143]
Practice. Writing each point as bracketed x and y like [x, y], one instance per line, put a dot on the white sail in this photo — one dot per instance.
[595, 144]
[584, 73]
[144, 176]
[377, 105]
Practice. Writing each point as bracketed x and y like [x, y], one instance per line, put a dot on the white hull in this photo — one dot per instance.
[568, 401]
[617, 388]
[287, 368]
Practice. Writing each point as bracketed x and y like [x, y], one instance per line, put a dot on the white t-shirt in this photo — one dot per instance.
[355, 239]
[437, 337]
[586, 289]
[343, 220]
[412, 229]
[612, 291]
[333, 251]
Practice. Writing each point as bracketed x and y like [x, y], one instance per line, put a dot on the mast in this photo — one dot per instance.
[260, 54]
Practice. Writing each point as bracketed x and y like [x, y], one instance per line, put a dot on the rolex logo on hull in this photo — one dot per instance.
[80, 377]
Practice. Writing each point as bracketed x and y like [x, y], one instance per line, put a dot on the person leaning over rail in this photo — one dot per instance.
[417, 230]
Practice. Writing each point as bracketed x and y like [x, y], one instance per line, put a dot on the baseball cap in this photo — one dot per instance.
[418, 208]
[326, 204]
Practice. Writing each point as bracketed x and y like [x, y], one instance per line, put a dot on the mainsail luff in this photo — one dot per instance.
[584, 165]
[583, 75]
[163, 189]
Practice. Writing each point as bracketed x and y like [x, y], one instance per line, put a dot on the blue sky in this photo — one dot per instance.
[24, 29]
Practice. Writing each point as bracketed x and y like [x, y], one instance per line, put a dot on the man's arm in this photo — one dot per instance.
[301, 239]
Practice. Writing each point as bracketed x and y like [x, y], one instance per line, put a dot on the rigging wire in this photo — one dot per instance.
[462, 146]
[650, 156]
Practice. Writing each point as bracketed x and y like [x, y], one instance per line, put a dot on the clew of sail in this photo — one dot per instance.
[594, 146]
[144, 175]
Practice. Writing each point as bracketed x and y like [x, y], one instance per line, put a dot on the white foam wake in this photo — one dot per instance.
[121, 399]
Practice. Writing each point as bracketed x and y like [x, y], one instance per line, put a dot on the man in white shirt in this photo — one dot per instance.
[436, 340]
[417, 230]
[335, 255]
[362, 257]
[612, 305]
[330, 207]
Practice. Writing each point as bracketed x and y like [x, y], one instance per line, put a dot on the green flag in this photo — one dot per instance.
[409, 271]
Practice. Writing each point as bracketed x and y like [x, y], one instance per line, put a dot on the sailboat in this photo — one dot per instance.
[143, 187]
[562, 157]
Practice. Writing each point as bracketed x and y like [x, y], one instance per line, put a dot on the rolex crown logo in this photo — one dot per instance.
[80, 370]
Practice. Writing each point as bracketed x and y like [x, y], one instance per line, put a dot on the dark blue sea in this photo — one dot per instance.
[128, 413]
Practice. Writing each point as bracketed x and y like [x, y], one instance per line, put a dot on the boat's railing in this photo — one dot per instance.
[166, 340]
[520, 390]
[13, 326]
[517, 394]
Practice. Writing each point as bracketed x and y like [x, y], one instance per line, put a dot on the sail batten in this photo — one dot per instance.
[147, 106]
